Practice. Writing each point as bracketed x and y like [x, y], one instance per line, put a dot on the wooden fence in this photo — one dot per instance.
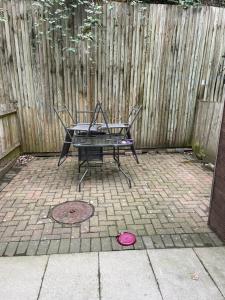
[158, 58]
[9, 139]
[207, 129]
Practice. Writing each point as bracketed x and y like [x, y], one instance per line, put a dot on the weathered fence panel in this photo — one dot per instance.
[9, 139]
[158, 59]
[207, 128]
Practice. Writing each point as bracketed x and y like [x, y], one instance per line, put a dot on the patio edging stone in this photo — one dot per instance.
[65, 246]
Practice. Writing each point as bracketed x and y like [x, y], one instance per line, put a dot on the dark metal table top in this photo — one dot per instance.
[104, 140]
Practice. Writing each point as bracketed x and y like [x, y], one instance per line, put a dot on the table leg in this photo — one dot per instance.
[80, 165]
[127, 177]
[66, 147]
[116, 156]
[86, 170]
[82, 178]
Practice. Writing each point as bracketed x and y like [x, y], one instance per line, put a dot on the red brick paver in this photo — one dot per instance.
[168, 202]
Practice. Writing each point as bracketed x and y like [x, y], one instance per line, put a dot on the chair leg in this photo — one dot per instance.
[132, 147]
[134, 153]
[66, 147]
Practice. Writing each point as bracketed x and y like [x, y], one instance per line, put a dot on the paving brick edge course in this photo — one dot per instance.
[65, 246]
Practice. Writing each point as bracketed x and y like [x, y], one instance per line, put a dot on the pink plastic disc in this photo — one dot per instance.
[126, 238]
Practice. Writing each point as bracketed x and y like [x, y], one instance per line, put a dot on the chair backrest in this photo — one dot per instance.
[87, 116]
[64, 117]
[133, 115]
[132, 118]
[63, 113]
[98, 110]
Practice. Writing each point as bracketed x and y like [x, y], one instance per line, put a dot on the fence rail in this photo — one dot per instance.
[166, 58]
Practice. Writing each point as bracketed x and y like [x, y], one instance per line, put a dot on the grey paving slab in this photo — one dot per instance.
[148, 242]
[177, 241]
[127, 275]
[181, 276]
[22, 248]
[95, 244]
[64, 246]
[2, 248]
[74, 245]
[43, 247]
[197, 240]
[157, 241]
[214, 261]
[139, 244]
[71, 276]
[32, 248]
[20, 277]
[53, 247]
[167, 241]
[215, 239]
[106, 244]
[11, 249]
[85, 245]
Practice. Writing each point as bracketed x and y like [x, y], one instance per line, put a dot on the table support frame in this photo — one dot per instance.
[116, 157]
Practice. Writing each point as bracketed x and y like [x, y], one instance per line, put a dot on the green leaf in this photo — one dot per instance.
[71, 50]
[37, 4]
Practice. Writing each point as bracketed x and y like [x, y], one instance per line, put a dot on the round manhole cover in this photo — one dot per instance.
[72, 212]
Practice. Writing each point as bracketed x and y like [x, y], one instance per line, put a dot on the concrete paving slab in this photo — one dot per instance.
[71, 276]
[181, 275]
[20, 277]
[214, 261]
[127, 275]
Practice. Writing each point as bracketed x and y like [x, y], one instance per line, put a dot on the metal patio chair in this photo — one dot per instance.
[77, 126]
[133, 116]
[93, 153]
[125, 128]
[62, 114]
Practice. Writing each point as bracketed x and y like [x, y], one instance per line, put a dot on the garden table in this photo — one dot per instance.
[98, 129]
[95, 128]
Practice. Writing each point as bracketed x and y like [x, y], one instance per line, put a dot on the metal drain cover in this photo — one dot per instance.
[72, 212]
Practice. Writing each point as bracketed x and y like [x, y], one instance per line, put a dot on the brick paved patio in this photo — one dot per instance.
[166, 207]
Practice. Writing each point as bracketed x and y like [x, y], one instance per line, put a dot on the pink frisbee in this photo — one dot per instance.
[126, 238]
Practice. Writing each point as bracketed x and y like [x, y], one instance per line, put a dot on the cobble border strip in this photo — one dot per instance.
[78, 245]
